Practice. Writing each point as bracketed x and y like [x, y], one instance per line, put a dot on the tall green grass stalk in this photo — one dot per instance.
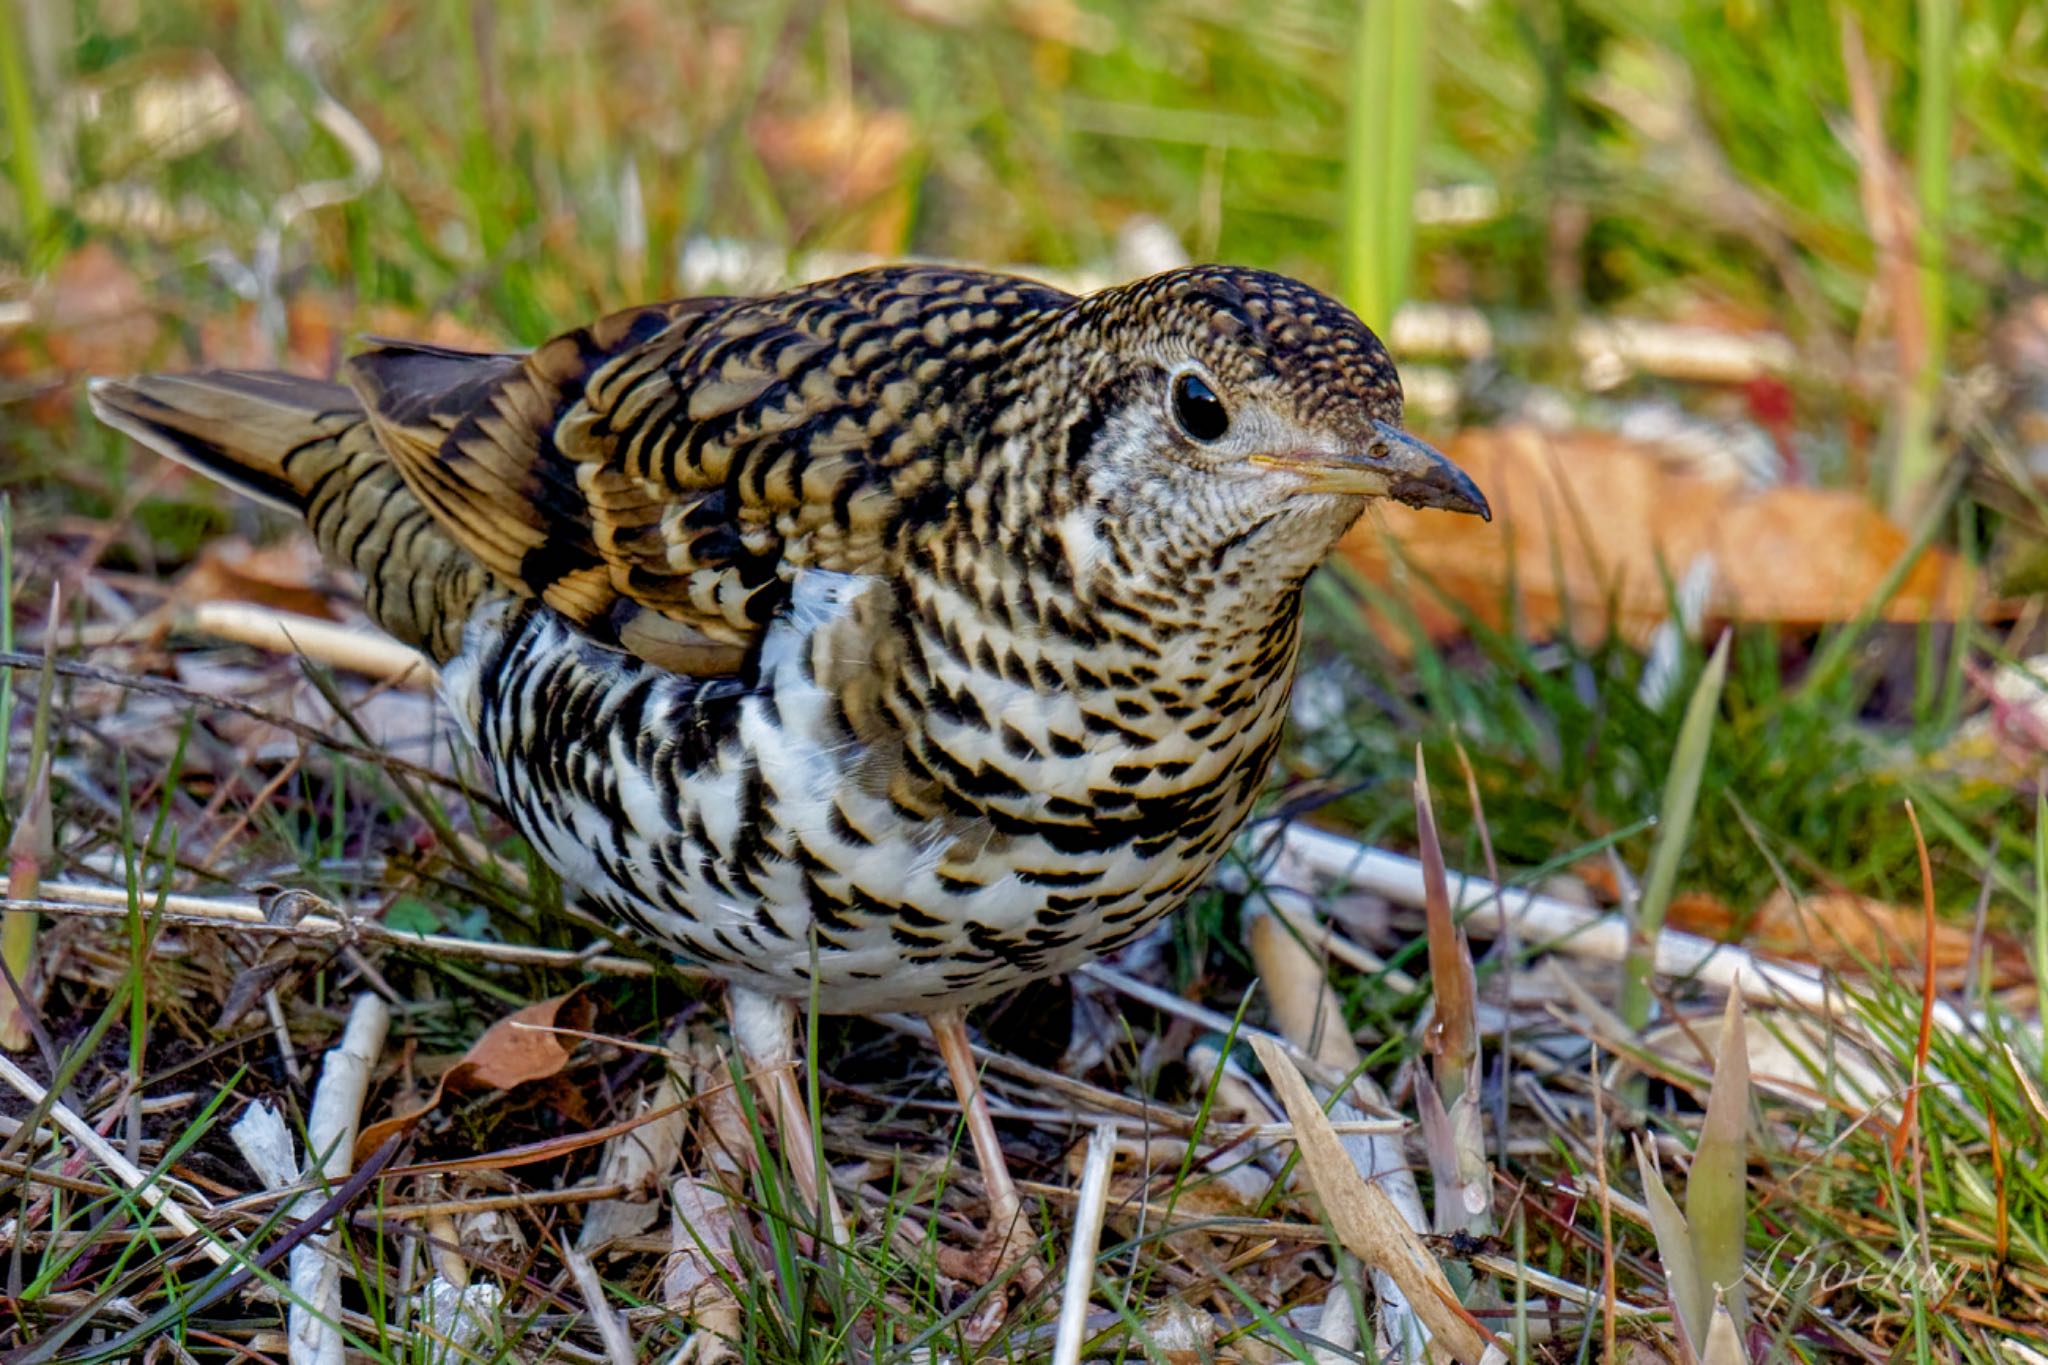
[2041, 909]
[1383, 142]
[16, 96]
[1674, 826]
[1916, 464]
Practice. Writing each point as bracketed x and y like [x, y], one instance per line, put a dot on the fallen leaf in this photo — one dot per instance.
[1836, 930]
[522, 1047]
[527, 1153]
[514, 1051]
[285, 576]
[1586, 523]
[90, 315]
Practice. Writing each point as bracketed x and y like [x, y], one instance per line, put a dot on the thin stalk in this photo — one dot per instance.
[2041, 912]
[19, 100]
[1383, 140]
[1674, 825]
[28, 852]
[1917, 462]
[7, 624]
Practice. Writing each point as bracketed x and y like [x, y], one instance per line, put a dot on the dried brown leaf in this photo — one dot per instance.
[522, 1046]
[507, 1158]
[517, 1049]
[1366, 1220]
[286, 576]
[1585, 520]
[1453, 1037]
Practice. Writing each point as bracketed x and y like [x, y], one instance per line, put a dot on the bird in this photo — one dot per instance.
[879, 645]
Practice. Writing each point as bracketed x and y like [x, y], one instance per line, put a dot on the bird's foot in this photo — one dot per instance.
[1009, 1249]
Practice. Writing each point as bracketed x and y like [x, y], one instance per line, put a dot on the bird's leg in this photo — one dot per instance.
[764, 1027]
[1009, 1238]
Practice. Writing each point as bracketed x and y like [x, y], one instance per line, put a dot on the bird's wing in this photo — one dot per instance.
[659, 476]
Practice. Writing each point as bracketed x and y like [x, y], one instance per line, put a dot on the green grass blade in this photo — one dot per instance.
[2041, 907]
[19, 100]
[1383, 141]
[1689, 1294]
[1681, 795]
[1917, 465]
[1715, 1190]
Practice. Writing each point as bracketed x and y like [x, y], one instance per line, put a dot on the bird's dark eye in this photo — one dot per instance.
[1197, 408]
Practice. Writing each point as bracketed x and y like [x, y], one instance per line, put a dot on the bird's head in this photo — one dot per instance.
[1226, 416]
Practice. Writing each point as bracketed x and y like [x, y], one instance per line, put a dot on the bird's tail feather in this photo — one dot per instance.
[237, 426]
[307, 447]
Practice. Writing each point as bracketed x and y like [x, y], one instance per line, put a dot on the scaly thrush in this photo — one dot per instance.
[887, 642]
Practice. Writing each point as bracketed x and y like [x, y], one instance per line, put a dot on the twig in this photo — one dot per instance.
[144, 1186]
[244, 916]
[1169, 1003]
[330, 1148]
[1550, 1286]
[324, 642]
[490, 1203]
[617, 1345]
[1547, 923]
[220, 1286]
[1609, 1299]
[1163, 1217]
[312, 734]
[1088, 1215]
[265, 1143]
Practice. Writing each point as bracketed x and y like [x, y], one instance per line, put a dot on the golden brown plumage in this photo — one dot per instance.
[888, 641]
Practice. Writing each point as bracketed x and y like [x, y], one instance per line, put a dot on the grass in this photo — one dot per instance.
[544, 162]
[1390, 63]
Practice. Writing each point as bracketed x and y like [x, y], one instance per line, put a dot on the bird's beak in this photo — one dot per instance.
[1392, 465]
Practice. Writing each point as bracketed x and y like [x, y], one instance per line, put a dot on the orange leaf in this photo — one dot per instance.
[284, 576]
[1582, 519]
[372, 1136]
[545, 1150]
[517, 1049]
[520, 1048]
[1836, 930]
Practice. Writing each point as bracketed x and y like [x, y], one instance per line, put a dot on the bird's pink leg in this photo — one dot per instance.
[764, 1027]
[1009, 1238]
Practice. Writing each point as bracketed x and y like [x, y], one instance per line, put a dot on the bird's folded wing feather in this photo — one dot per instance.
[658, 476]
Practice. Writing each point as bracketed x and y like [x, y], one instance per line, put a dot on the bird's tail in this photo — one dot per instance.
[306, 447]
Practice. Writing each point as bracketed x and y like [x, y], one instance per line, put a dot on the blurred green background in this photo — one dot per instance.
[541, 160]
